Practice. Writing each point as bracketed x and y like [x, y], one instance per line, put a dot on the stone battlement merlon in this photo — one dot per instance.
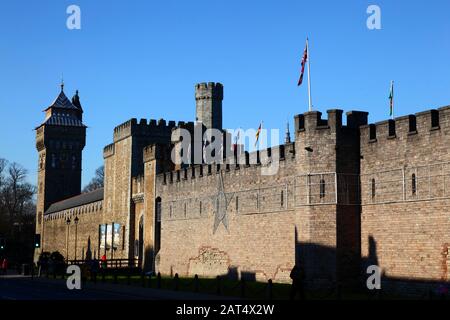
[108, 151]
[245, 160]
[185, 125]
[156, 152]
[209, 90]
[137, 185]
[407, 125]
[312, 120]
[152, 127]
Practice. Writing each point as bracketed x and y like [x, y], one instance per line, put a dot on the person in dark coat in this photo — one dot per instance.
[103, 261]
[297, 275]
[5, 266]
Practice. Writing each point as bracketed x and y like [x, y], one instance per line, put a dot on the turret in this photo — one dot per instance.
[208, 97]
[60, 140]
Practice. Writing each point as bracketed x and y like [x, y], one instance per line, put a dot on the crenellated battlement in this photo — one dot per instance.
[418, 124]
[245, 161]
[156, 152]
[109, 150]
[185, 125]
[153, 127]
[208, 91]
[312, 120]
[137, 185]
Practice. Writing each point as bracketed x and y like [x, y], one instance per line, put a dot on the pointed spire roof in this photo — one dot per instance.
[60, 115]
[62, 102]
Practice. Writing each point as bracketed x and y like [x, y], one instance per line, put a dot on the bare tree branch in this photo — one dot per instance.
[97, 181]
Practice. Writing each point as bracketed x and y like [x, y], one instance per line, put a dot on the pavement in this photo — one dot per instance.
[18, 287]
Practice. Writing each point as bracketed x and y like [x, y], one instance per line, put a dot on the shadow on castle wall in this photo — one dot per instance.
[324, 270]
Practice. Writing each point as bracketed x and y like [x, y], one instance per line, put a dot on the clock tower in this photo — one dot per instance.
[60, 140]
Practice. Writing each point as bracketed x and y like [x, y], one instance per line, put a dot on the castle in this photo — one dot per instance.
[344, 197]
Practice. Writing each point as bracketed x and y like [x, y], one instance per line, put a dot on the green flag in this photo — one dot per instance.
[391, 100]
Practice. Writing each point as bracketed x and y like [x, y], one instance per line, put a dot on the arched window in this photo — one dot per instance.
[413, 184]
[136, 248]
[322, 188]
[373, 188]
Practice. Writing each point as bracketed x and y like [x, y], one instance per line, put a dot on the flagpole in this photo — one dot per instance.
[309, 75]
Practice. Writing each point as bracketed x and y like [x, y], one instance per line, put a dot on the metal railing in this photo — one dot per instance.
[110, 263]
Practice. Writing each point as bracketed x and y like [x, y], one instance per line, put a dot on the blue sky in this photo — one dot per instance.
[142, 58]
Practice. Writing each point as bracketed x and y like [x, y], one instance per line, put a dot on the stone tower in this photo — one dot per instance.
[208, 97]
[60, 140]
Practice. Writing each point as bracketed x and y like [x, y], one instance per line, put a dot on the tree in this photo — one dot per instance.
[97, 181]
[17, 210]
[16, 194]
[3, 163]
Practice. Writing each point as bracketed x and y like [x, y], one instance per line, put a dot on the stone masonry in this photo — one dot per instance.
[344, 196]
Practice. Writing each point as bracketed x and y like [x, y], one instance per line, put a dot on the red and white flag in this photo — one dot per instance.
[304, 60]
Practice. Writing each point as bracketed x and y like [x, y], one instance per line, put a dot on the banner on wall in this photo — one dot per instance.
[110, 236]
[102, 236]
[116, 235]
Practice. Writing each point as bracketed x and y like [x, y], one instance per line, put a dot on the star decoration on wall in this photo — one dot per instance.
[221, 206]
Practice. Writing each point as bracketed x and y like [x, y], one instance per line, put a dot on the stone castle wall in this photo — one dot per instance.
[259, 236]
[405, 187]
[60, 237]
[273, 221]
[342, 195]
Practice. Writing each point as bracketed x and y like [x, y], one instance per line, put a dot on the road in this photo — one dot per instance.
[24, 288]
[20, 288]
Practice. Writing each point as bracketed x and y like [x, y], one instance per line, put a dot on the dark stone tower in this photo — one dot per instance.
[60, 140]
[208, 97]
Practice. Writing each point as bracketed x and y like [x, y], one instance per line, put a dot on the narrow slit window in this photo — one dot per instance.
[413, 184]
[282, 198]
[373, 188]
[123, 238]
[322, 188]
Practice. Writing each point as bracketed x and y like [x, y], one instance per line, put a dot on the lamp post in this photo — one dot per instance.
[67, 239]
[76, 235]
